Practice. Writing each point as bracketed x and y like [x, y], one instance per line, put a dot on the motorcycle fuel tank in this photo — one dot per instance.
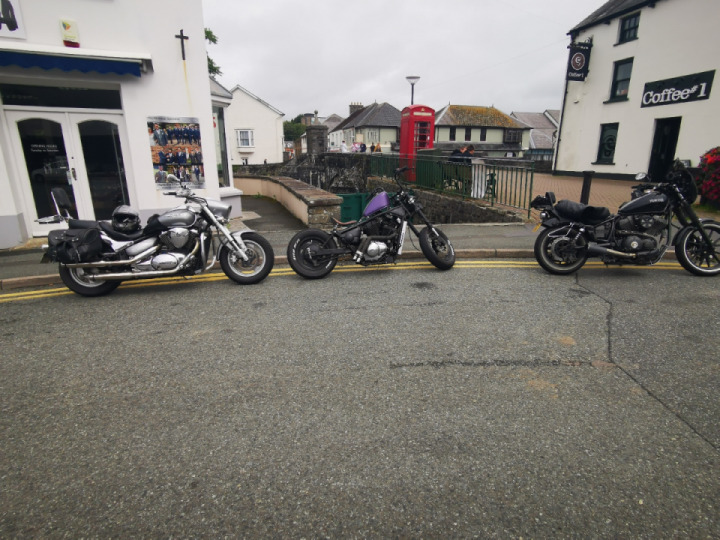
[655, 203]
[177, 218]
[378, 202]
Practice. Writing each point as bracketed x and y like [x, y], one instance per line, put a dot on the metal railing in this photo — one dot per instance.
[498, 181]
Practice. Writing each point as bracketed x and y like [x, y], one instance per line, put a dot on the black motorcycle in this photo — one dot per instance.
[639, 234]
[94, 257]
[376, 238]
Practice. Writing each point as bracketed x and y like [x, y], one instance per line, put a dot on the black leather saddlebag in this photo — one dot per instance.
[74, 245]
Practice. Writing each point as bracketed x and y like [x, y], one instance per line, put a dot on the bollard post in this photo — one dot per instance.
[587, 180]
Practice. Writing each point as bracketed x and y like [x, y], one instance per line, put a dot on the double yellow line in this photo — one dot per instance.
[287, 271]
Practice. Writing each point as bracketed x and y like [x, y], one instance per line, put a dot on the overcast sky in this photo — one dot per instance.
[306, 55]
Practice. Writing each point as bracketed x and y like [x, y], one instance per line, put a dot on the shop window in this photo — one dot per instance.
[621, 80]
[629, 28]
[245, 138]
[608, 139]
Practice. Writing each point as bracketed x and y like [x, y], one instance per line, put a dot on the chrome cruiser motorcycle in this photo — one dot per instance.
[96, 256]
[376, 238]
[639, 234]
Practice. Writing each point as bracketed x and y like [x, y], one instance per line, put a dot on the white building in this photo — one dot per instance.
[647, 98]
[95, 97]
[254, 128]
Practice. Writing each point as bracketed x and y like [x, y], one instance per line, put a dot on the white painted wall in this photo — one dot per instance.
[247, 111]
[675, 38]
[173, 89]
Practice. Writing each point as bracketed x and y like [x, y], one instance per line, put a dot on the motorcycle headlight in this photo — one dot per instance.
[544, 215]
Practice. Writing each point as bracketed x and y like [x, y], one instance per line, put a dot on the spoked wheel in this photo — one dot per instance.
[437, 248]
[561, 251]
[261, 260]
[78, 280]
[694, 254]
[302, 254]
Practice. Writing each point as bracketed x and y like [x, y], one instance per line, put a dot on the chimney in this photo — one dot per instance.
[355, 107]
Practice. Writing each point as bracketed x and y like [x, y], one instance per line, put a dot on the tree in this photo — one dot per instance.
[213, 68]
[293, 129]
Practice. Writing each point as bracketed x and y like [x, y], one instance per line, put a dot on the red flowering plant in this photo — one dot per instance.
[709, 176]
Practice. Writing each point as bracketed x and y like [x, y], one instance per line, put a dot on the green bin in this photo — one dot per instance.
[352, 206]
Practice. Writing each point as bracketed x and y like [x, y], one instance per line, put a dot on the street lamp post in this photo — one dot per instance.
[412, 79]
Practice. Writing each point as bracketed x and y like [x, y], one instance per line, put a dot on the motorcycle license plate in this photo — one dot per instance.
[537, 227]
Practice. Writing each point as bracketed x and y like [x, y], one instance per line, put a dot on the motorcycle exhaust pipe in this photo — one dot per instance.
[123, 276]
[594, 249]
[104, 264]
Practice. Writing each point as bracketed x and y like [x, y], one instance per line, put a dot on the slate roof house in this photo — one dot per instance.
[543, 132]
[647, 95]
[376, 123]
[492, 132]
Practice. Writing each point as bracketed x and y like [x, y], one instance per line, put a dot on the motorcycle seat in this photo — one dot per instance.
[343, 223]
[116, 235]
[575, 211]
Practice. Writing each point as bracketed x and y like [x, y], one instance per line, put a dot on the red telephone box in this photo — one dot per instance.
[417, 131]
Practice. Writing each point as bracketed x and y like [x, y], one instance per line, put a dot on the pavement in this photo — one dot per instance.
[20, 267]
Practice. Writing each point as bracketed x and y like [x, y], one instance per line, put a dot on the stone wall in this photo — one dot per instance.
[349, 173]
[452, 209]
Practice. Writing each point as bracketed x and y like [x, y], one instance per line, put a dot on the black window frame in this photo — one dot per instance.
[452, 135]
[605, 153]
[468, 134]
[629, 28]
[620, 88]
[512, 136]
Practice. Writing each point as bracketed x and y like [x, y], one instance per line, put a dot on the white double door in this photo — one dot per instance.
[80, 152]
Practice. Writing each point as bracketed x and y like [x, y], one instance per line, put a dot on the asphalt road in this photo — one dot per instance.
[492, 401]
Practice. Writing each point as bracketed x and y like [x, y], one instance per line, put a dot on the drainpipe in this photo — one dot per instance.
[562, 115]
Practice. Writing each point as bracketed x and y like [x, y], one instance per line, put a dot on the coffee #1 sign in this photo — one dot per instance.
[678, 90]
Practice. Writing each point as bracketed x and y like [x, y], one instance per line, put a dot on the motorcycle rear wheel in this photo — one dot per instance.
[560, 254]
[437, 249]
[693, 254]
[261, 260]
[300, 254]
[77, 281]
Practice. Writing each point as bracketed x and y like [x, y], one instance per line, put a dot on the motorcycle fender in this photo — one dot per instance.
[553, 222]
[679, 233]
[238, 237]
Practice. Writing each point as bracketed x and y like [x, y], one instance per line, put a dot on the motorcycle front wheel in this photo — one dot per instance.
[561, 251]
[437, 248]
[694, 254]
[77, 280]
[301, 254]
[261, 259]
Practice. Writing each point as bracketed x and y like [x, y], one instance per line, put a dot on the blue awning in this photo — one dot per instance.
[71, 63]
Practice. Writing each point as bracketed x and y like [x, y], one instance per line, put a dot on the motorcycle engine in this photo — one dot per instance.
[174, 241]
[384, 226]
[375, 250]
[176, 238]
[639, 232]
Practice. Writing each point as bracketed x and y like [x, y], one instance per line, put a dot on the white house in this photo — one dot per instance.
[255, 129]
[492, 132]
[101, 99]
[647, 95]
